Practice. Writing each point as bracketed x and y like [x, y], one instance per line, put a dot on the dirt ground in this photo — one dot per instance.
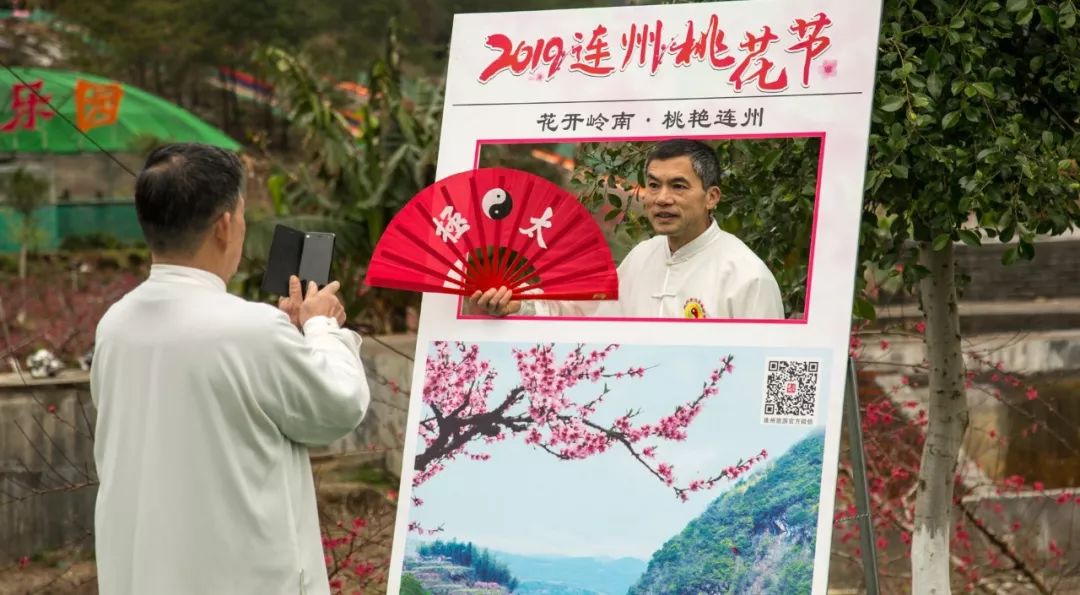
[48, 577]
[349, 488]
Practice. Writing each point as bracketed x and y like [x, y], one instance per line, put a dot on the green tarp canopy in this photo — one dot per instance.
[119, 117]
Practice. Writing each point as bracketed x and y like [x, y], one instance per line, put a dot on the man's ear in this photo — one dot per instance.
[712, 197]
[222, 228]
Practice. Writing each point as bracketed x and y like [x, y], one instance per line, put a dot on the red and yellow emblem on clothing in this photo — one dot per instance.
[693, 308]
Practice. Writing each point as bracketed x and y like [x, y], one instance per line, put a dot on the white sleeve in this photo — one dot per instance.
[559, 308]
[759, 298]
[316, 390]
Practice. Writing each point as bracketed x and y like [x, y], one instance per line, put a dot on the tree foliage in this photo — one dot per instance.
[974, 132]
[486, 568]
[351, 186]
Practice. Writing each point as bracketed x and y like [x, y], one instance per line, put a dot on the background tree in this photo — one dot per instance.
[1004, 503]
[351, 185]
[24, 193]
[973, 138]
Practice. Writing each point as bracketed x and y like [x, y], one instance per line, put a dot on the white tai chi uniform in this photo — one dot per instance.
[204, 404]
[714, 276]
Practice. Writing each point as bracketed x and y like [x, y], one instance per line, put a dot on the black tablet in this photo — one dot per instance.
[308, 255]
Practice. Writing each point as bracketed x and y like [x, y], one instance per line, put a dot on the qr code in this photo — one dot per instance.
[791, 390]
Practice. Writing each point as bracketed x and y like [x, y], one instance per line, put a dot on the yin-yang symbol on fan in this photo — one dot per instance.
[497, 203]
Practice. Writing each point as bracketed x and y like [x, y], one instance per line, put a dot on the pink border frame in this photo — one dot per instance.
[813, 226]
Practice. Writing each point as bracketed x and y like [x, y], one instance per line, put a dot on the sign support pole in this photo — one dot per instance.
[858, 470]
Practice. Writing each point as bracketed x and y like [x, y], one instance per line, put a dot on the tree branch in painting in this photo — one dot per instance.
[463, 411]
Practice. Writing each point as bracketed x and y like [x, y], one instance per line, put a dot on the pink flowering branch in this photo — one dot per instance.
[355, 552]
[458, 389]
[991, 539]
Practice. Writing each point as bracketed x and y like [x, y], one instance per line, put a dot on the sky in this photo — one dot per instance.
[525, 501]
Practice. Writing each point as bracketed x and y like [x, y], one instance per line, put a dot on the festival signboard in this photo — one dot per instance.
[684, 437]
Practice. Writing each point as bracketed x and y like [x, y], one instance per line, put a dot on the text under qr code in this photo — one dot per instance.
[791, 390]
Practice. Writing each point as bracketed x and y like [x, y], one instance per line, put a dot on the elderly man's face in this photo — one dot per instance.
[676, 202]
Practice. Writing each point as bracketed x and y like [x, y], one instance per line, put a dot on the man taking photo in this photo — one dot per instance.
[206, 403]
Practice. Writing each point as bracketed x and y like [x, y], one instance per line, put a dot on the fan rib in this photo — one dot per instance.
[414, 266]
[535, 246]
[497, 271]
[478, 212]
[428, 217]
[426, 248]
[513, 262]
[546, 265]
[469, 248]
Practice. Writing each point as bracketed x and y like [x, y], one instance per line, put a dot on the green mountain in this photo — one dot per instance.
[562, 575]
[756, 538]
[411, 586]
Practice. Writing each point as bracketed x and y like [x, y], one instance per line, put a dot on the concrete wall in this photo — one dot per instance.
[1038, 295]
[1053, 273]
[42, 451]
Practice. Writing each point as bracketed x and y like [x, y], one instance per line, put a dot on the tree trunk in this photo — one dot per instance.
[22, 260]
[947, 420]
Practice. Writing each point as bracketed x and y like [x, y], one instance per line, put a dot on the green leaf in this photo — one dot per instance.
[969, 237]
[899, 170]
[1036, 63]
[1047, 138]
[950, 120]
[1009, 256]
[920, 100]
[984, 89]
[918, 272]
[941, 241]
[1048, 17]
[957, 22]
[1025, 16]
[1016, 5]
[864, 309]
[1026, 249]
[933, 85]
[892, 103]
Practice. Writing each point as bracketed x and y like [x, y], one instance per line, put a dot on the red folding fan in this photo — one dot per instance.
[495, 227]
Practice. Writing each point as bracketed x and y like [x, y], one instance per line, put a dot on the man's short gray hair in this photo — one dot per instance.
[701, 156]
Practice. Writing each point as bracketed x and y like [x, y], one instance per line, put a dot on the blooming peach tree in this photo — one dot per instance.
[463, 410]
[998, 533]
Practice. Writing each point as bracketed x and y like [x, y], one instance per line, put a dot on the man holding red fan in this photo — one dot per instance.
[690, 269]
